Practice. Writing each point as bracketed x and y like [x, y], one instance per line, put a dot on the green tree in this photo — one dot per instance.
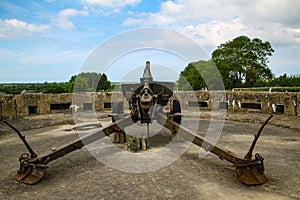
[243, 62]
[103, 83]
[285, 81]
[51, 87]
[92, 78]
[69, 85]
[95, 82]
[199, 75]
[81, 84]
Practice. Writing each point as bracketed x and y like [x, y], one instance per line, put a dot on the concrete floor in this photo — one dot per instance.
[80, 175]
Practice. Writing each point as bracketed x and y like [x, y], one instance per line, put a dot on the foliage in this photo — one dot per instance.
[190, 79]
[17, 88]
[285, 81]
[83, 82]
[94, 82]
[103, 84]
[81, 85]
[200, 75]
[243, 62]
[52, 88]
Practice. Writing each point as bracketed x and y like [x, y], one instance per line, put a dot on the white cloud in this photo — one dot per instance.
[216, 22]
[16, 23]
[62, 19]
[171, 7]
[215, 32]
[256, 11]
[280, 11]
[19, 28]
[23, 25]
[15, 28]
[190, 11]
[148, 19]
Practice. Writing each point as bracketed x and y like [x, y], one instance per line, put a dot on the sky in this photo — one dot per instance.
[51, 40]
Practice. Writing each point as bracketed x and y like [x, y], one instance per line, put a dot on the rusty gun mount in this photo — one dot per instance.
[146, 100]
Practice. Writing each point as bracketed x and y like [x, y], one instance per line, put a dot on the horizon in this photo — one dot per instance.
[137, 72]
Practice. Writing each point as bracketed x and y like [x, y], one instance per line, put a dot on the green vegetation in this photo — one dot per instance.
[89, 82]
[83, 82]
[285, 81]
[241, 63]
[199, 75]
[268, 89]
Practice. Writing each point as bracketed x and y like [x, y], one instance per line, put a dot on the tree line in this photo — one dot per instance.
[83, 82]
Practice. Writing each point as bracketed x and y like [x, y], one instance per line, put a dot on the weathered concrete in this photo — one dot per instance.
[79, 175]
[288, 103]
[298, 104]
[41, 101]
[8, 106]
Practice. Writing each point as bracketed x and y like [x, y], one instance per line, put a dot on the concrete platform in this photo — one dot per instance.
[79, 175]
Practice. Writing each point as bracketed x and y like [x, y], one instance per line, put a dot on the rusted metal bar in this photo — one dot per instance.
[22, 137]
[80, 142]
[256, 136]
[33, 168]
[250, 171]
[196, 139]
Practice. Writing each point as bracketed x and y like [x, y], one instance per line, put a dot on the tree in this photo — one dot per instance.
[199, 75]
[69, 85]
[190, 79]
[92, 78]
[88, 82]
[243, 62]
[81, 84]
[103, 83]
[285, 81]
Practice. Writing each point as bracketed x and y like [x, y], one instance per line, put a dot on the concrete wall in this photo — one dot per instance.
[23, 105]
[275, 102]
[7, 106]
[298, 104]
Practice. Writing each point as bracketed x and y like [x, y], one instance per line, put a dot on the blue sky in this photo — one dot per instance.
[50, 40]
